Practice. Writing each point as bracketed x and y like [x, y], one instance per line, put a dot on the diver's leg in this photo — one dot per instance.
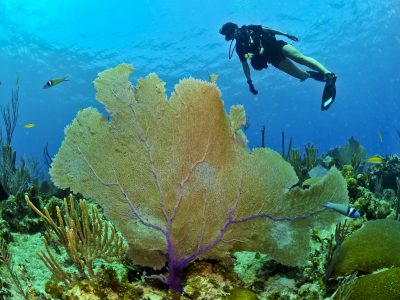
[290, 68]
[295, 55]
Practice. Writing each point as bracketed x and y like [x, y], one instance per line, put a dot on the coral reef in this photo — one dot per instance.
[241, 294]
[385, 173]
[104, 286]
[14, 178]
[248, 265]
[372, 205]
[5, 232]
[205, 287]
[302, 166]
[10, 274]
[176, 177]
[352, 154]
[18, 217]
[177, 181]
[85, 239]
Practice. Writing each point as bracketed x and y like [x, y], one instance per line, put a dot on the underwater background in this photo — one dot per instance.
[358, 40]
[324, 251]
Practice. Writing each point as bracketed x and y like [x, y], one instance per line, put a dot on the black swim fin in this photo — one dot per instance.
[329, 94]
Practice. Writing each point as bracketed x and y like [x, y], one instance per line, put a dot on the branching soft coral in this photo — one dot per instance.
[85, 239]
[177, 181]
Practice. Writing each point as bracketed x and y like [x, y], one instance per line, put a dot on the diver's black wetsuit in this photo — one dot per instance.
[264, 47]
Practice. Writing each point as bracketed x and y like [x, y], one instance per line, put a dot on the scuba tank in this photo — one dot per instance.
[252, 40]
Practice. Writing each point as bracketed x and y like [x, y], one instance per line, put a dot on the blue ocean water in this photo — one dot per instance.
[358, 40]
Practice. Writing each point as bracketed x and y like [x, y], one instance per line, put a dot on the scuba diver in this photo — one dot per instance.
[258, 44]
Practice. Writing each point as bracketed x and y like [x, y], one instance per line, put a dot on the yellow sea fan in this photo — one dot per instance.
[237, 116]
[179, 161]
[213, 77]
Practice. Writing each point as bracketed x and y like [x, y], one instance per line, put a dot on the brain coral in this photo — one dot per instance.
[376, 245]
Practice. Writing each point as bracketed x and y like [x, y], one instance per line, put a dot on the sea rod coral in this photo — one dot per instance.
[176, 178]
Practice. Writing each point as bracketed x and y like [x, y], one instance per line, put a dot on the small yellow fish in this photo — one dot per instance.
[376, 159]
[29, 125]
[380, 136]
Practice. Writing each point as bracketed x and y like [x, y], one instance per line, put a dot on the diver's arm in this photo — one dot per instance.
[273, 31]
[246, 70]
[277, 32]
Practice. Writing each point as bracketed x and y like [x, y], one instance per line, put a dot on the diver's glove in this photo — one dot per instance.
[251, 87]
[292, 37]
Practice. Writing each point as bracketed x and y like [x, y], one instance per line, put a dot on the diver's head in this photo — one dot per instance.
[229, 30]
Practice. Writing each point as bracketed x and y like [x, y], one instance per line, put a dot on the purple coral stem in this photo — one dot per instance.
[177, 265]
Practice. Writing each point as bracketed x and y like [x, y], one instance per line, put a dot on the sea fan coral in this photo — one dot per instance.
[178, 184]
